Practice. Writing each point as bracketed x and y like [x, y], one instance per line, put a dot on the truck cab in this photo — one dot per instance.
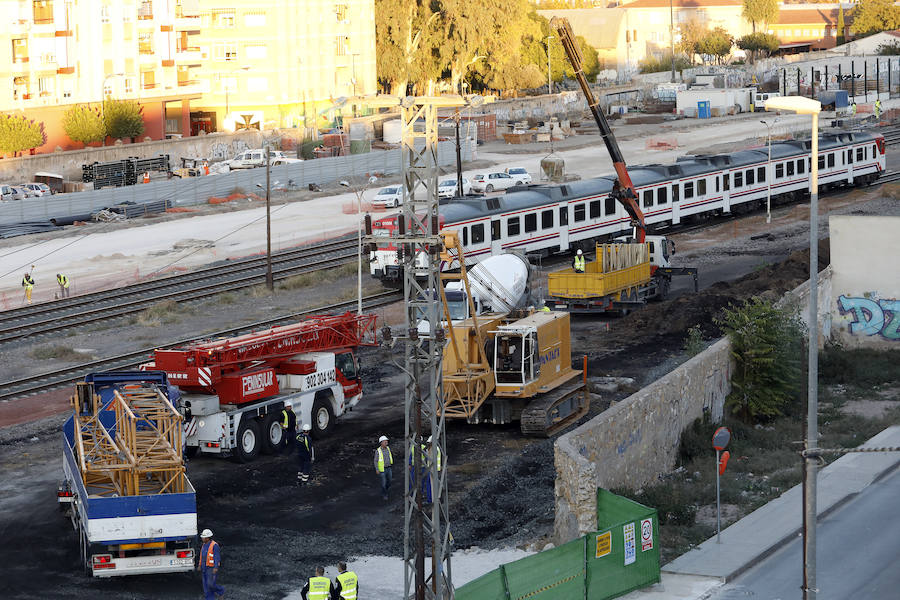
[661, 249]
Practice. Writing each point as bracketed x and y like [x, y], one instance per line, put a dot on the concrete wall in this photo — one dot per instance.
[68, 164]
[635, 441]
[865, 301]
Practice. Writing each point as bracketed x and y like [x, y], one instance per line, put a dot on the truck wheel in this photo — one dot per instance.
[273, 434]
[322, 417]
[248, 441]
[191, 451]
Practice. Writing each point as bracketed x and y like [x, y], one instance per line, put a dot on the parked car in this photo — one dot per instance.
[520, 174]
[447, 188]
[7, 192]
[39, 189]
[490, 182]
[388, 197]
[27, 192]
[53, 181]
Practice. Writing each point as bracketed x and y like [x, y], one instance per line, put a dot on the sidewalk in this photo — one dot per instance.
[700, 571]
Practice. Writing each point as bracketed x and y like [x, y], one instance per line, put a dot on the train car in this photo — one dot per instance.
[547, 219]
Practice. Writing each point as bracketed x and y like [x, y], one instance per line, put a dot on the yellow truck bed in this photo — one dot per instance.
[619, 267]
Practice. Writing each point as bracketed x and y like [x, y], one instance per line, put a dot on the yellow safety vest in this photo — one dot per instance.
[545, 309]
[319, 588]
[63, 281]
[380, 452]
[284, 419]
[579, 263]
[348, 580]
[28, 282]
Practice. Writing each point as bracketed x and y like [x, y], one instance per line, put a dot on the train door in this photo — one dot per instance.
[676, 197]
[723, 188]
[563, 224]
[850, 165]
[496, 236]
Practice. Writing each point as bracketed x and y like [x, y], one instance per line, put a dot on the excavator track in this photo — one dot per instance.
[554, 411]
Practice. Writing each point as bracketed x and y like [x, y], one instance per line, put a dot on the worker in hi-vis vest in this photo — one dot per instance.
[318, 587]
[288, 426]
[578, 262]
[28, 284]
[384, 465]
[63, 282]
[346, 584]
[305, 454]
[208, 565]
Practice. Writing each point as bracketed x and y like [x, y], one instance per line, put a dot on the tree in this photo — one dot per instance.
[767, 346]
[841, 27]
[404, 36]
[716, 43]
[760, 11]
[872, 16]
[892, 49]
[691, 32]
[84, 124]
[758, 44]
[18, 133]
[122, 118]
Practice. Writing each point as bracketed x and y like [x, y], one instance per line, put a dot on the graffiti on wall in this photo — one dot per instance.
[872, 317]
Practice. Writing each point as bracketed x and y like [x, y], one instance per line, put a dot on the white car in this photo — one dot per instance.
[389, 197]
[447, 188]
[491, 182]
[250, 159]
[520, 174]
[38, 189]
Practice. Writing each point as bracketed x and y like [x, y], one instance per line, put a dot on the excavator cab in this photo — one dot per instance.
[516, 356]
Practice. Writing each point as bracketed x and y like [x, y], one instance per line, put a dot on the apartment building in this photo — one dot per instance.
[279, 63]
[55, 53]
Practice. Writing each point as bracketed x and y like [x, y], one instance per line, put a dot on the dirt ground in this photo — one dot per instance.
[273, 533]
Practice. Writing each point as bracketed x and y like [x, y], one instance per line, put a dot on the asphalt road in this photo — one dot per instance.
[858, 547]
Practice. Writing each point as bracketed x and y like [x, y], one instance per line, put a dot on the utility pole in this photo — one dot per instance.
[672, 37]
[459, 178]
[270, 282]
[549, 72]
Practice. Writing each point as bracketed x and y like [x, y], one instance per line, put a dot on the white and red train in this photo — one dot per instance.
[557, 218]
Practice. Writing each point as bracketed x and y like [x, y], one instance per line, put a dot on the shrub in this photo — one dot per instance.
[122, 118]
[651, 64]
[84, 124]
[693, 343]
[18, 133]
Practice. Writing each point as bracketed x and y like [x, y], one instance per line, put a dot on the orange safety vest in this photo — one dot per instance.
[211, 554]
[146, 177]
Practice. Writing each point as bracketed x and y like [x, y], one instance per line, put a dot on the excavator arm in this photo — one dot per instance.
[623, 189]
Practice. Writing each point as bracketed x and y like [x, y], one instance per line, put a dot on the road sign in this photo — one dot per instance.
[629, 543]
[646, 535]
[721, 438]
[604, 544]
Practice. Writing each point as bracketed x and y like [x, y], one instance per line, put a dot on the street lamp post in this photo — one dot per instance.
[270, 282]
[811, 453]
[549, 73]
[107, 78]
[672, 37]
[359, 194]
[769, 174]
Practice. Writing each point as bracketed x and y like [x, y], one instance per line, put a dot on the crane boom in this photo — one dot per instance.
[624, 192]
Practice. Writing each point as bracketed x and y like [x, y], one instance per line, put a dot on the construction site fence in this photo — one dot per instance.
[175, 192]
[621, 556]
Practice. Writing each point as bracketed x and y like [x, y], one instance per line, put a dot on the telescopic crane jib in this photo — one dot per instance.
[623, 189]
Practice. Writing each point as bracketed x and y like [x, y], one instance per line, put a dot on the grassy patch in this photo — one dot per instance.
[317, 277]
[227, 298]
[167, 311]
[55, 352]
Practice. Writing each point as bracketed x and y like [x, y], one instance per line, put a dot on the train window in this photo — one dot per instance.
[761, 174]
[595, 209]
[849, 157]
[821, 161]
[790, 168]
[674, 192]
[478, 233]
[717, 184]
[779, 170]
[547, 219]
[530, 222]
[831, 159]
[739, 179]
[661, 196]
[726, 182]
[874, 151]
[859, 154]
[465, 231]
[610, 208]
[801, 166]
[688, 190]
[701, 187]
[579, 212]
[648, 198]
[512, 227]
[563, 215]
[750, 176]
[495, 230]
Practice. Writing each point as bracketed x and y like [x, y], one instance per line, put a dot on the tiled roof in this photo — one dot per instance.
[808, 17]
[681, 3]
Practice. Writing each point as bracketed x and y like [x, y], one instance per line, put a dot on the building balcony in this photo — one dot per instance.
[187, 23]
[64, 33]
[188, 56]
[168, 62]
[65, 70]
[21, 65]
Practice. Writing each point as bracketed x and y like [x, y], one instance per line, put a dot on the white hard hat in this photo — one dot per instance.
[383, 438]
[579, 252]
[307, 427]
[429, 439]
[206, 533]
[288, 405]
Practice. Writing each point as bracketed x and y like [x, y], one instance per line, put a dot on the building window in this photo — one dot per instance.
[129, 85]
[43, 11]
[530, 222]
[173, 125]
[256, 51]
[145, 12]
[148, 80]
[46, 85]
[255, 18]
[223, 17]
[104, 13]
[226, 51]
[20, 50]
[145, 43]
[340, 12]
[341, 45]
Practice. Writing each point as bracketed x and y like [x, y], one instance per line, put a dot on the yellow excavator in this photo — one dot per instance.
[511, 365]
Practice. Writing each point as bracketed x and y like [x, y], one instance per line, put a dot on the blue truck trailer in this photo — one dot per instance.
[125, 488]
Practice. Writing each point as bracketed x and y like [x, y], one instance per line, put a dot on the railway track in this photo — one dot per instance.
[51, 380]
[77, 311]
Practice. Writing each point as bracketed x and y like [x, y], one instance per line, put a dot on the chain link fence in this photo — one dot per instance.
[63, 208]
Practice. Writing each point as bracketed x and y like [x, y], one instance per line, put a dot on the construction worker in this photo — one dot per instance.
[428, 486]
[146, 176]
[318, 587]
[28, 284]
[288, 425]
[346, 584]
[423, 465]
[305, 454]
[545, 308]
[63, 282]
[205, 168]
[853, 109]
[578, 262]
[878, 108]
[384, 463]
[208, 565]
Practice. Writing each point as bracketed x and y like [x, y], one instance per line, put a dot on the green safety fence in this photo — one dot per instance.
[621, 556]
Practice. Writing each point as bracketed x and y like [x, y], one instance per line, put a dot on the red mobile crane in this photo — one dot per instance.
[235, 388]
[623, 189]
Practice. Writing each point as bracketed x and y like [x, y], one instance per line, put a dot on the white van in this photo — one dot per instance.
[250, 159]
